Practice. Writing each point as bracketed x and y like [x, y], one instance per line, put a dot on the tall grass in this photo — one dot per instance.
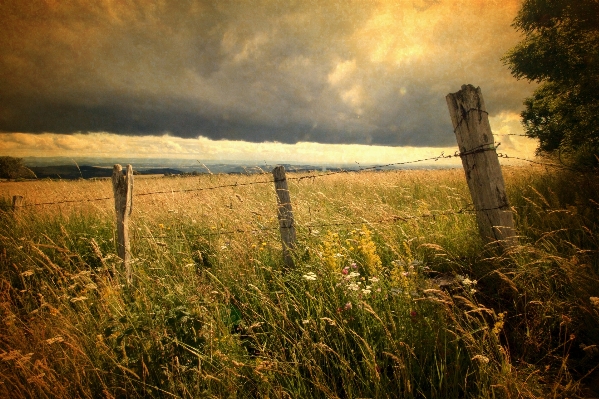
[389, 298]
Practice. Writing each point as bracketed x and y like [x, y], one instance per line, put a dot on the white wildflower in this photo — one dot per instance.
[481, 359]
[468, 282]
[353, 287]
[310, 276]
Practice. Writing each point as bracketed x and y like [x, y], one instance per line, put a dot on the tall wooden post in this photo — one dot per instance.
[122, 186]
[285, 214]
[17, 202]
[481, 165]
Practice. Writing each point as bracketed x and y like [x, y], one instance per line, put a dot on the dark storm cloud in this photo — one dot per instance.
[328, 72]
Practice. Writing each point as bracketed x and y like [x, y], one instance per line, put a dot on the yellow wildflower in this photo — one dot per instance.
[367, 247]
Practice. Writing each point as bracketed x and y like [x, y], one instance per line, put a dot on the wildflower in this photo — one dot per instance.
[161, 226]
[472, 291]
[374, 279]
[594, 301]
[354, 274]
[345, 270]
[348, 306]
[481, 359]
[499, 323]
[367, 248]
[354, 266]
[305, 321]
[366, 291]
[413, 313]
[331, 249]
[353, 286]
[310, 276]
[468, 282]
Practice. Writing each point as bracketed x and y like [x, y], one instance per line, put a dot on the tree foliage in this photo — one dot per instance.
[13, 168]
[560, 50]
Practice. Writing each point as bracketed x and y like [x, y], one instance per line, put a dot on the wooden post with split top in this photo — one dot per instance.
[481, 165]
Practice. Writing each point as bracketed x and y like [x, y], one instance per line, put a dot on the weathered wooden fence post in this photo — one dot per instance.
[285, 214]
[17, 202]
[122, 186]
[481, 164]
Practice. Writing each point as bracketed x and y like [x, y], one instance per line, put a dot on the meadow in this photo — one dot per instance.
[393, 294]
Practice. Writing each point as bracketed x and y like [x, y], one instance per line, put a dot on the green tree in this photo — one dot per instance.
[13, 168]
[560, 50]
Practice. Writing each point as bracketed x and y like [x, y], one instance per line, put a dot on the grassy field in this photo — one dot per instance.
[393, 293]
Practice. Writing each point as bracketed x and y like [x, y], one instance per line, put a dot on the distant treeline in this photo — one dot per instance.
[89, 172]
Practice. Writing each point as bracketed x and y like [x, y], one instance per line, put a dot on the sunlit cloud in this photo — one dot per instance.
[106, 145]
[333, 72]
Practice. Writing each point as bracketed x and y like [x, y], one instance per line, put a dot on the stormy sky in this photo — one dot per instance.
[330, 72]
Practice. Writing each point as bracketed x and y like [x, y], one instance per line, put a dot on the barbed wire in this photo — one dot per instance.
[506, 156]
[513, 134]
[237, 184]
[203, 188]
[479, 149]
[68, 201]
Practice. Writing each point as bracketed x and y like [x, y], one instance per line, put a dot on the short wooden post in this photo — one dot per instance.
[122, 186]
[17, 202]
[285, 214]
[481, 164]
